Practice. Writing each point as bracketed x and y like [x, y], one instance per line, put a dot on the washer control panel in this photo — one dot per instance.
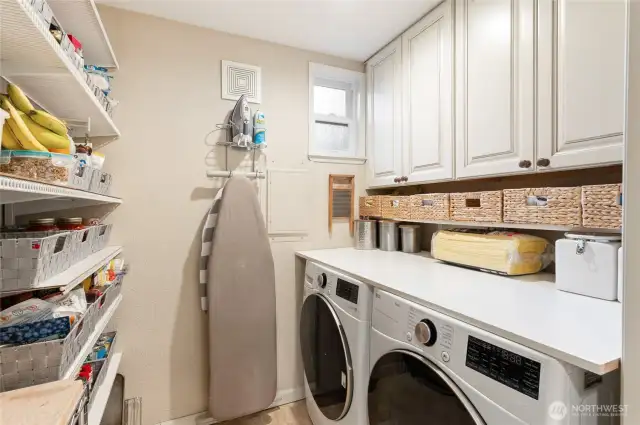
[427, 331]
[347, 293]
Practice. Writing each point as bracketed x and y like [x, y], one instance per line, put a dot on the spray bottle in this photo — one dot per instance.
[259, 130]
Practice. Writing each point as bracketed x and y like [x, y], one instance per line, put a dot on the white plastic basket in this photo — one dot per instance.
[41, 362]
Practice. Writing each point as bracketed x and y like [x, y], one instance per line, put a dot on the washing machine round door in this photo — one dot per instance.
[405, 389]
[326, 357]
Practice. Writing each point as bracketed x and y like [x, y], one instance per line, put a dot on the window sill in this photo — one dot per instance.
[355, 160]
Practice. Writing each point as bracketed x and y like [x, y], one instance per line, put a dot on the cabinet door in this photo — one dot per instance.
[494, 87]
[427, 97]
[384, 115]
[581, 82]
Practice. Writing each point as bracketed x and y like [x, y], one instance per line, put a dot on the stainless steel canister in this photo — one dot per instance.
[365, 234]
[388, 235]
[410, 237]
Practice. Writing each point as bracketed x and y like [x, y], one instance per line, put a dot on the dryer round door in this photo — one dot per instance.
[326, 357]
[407, 389]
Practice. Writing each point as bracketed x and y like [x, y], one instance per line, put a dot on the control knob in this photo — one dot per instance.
[426, 332]
[322, 280]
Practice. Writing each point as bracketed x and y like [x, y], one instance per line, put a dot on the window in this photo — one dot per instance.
[336, 114]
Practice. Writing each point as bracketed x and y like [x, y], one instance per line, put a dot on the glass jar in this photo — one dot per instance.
[42, 225]
[72, 223]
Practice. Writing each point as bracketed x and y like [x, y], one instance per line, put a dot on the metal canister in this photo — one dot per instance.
[388, 235]
[365, 234]
[410, 237]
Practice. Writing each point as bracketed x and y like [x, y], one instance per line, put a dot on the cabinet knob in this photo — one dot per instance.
[525, 163]
[543, 162]
[396, 180]
[404, 179]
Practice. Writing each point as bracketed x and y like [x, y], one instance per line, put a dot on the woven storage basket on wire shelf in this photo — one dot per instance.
[477, 206]
[396, 207]
[370, 206]
[430, 206]
[543, 205]
[602, 206]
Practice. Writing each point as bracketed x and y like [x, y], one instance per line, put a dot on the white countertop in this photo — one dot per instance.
[580, 330]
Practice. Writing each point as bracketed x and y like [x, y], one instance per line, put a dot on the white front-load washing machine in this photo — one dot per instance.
[428, 368]
[334, 340]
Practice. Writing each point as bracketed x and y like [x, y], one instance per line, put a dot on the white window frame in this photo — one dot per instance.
[353, 83]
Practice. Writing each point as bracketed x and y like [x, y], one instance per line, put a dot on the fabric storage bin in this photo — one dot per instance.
[100, 182]
[32, 258]
[477, 206]
[396, 207]
[544, 205]
[80, 176]
[430, 206]
[602, 206]
[30, 364]
[82, 242]
[370, 206]
[101, 237]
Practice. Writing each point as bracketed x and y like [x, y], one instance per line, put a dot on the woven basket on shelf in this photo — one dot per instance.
[396, 207]
[543, 205]
[370, 206]
[602, 206]
[430, 206]
[477, 206]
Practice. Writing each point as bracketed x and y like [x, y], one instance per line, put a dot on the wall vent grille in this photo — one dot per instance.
[239, 79]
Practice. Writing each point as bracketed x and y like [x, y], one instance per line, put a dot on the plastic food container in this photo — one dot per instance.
[43, 166]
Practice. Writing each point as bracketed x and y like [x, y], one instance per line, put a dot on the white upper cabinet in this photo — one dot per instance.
[581, 76]
[427, 66]
[494, 87]
[384, 115]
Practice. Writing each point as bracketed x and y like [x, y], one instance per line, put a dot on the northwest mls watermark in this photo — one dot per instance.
[558, 410]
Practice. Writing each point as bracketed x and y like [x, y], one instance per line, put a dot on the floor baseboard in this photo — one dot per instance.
[203, 418]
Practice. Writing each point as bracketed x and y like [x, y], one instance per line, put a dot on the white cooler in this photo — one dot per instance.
[587, 264]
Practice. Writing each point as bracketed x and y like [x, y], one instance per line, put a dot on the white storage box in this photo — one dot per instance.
[620, 275]
[587, 264]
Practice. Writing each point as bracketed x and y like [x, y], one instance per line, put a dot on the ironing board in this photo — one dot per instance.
[242, 307]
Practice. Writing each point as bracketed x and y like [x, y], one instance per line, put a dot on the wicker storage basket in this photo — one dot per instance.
[396, 207]
[602, 206]
[543, 205]
[477, 206]
[370, 206]
[430, 206]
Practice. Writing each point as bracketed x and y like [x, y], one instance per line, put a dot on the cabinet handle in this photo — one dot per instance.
[525, 163]
[543, 162]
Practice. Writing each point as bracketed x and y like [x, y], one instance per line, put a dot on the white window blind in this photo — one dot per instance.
[336, 114]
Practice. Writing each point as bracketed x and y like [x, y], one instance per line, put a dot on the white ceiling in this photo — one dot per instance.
[353, 29]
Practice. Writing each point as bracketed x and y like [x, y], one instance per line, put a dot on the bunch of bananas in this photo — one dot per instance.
[30, 129]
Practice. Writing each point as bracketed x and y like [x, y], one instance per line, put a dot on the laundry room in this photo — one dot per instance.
[319, 212]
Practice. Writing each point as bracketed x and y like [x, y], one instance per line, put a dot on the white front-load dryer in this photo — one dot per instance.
[334, 340]
[429, 368]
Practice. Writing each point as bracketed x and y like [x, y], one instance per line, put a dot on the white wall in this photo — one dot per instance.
[169, 88]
